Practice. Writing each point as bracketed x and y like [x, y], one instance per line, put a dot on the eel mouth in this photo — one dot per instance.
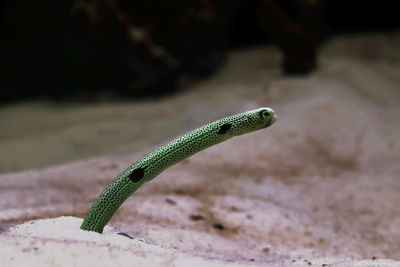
[271, 121]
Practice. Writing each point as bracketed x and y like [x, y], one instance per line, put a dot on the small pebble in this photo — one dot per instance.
[196, 217]
[219, 226]
[170, 201]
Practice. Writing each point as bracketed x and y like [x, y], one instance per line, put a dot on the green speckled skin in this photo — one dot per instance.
[155, 162]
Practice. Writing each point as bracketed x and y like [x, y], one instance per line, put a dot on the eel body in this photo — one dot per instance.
[151, 165]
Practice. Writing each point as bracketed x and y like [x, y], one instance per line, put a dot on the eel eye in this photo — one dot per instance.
[265, 114]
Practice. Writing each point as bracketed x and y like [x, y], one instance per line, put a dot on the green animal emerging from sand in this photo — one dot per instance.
[151, 165]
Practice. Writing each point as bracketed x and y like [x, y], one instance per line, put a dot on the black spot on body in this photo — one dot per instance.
[224, 128]
[137, 175]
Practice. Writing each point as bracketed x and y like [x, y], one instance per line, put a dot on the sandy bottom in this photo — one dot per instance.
[320, 187]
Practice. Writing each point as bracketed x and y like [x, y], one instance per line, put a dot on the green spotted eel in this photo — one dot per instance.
[151, 165]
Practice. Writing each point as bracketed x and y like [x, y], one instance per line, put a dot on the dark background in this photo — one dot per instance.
[91, 49]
